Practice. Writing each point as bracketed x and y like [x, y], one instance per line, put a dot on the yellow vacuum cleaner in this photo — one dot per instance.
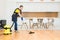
[7, 30]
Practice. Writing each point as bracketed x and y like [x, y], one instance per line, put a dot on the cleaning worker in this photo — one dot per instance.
[17, 13]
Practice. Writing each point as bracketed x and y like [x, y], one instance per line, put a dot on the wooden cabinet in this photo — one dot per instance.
[40, 14]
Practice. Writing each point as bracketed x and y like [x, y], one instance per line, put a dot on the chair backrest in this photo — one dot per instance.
[45, 20]
[22, 21]
[35, 20]
[41, 20]
[19, 21]
[51, 20]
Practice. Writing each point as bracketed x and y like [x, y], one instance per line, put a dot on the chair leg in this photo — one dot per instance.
[32, 26]
[21, 26]
[26, 25]
[37, 26]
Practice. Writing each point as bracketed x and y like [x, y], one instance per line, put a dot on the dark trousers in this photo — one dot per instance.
[14, 19]
[15, 25]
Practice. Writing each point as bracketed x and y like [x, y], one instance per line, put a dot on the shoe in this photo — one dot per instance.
[16, 31]
[10, 30]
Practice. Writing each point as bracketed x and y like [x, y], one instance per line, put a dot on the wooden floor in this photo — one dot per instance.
[38, 35]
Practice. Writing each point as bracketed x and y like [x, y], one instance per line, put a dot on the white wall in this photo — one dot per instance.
[46, 6]
[2, 9]
[40, 7]
[34, 0]
[7, 7]
[30, 7]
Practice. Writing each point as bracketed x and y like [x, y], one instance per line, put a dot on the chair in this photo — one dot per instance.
[23, 23]
[51, 23]
[40, 22]
[34, 22]
[45, 23]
